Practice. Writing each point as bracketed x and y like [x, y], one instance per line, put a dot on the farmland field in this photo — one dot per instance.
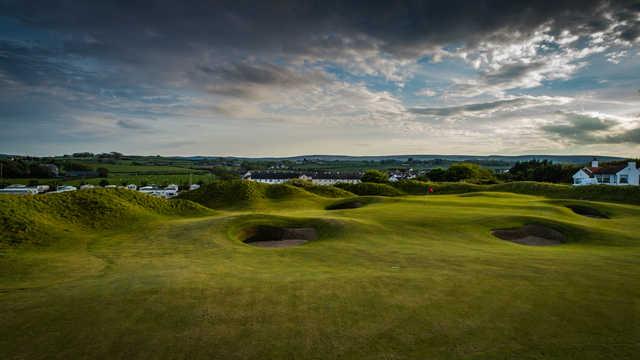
[111, 273]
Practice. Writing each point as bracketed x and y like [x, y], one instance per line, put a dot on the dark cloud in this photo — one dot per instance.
[590, 129]
[129, 125]
[511, 72]
[630, 136]
[111, 27]
[159, 42]
[243, 79]
[474, 108]
[257, 74]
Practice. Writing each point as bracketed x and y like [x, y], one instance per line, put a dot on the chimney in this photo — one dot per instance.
[594, 163]
[632, 164]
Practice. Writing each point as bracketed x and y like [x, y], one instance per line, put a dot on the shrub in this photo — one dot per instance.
[366, 188]
[375, 176]
[102, 172]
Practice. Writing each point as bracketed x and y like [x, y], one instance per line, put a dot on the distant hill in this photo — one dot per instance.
[568, 159]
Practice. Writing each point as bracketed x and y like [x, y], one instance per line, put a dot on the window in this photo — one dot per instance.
[578, 181]
[606, 179]
[624, 179]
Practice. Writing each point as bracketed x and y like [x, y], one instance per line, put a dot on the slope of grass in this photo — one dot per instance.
[321, 190]
[623, 194]
[38, 219]
[243, 195]
[409, 277]
[370, 189]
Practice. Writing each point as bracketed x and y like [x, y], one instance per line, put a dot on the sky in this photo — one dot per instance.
[281, 78]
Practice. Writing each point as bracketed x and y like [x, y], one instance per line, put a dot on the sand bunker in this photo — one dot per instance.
[535, 235]
[588, 211]
[351, 204]
[272, 236]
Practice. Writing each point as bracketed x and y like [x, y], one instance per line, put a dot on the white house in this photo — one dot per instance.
[619, 175]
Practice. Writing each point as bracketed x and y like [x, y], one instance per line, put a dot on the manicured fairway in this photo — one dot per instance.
[415, 277]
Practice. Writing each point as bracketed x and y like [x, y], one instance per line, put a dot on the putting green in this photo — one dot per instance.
[412, 277]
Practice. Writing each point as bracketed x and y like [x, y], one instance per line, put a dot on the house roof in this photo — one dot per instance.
[604, 170]
[275, 175]
[333, 175]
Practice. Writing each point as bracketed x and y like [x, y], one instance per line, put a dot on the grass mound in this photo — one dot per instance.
[371, 189]
[37, 219]
[243, 194]
[321, 190]
[226, 194]
[415, 187]
[531, 234]
[621, 194]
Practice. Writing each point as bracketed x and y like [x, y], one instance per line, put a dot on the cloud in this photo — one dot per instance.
[130, 125]
[484, 109]
[247, 80]
[425, 92]
[594, 128]
[119, 65]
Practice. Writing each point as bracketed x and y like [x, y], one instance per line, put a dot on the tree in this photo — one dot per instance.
[458, 172]
[437, 174]
[223, 173]
[104, 182]
[82, 155]
[14, 168]
[77, 166]
[102, 172]
[470, 173]
[375, 176]
[40, 171]
[541, 170]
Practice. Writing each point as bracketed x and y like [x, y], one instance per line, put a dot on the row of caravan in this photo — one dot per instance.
[166, 192]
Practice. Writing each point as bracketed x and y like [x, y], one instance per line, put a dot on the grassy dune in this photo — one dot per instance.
[114, 274]
[622, 194]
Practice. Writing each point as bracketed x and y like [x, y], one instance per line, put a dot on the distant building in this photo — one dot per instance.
[53, 169]
[401, 174]
[619, 175]
[318, 178]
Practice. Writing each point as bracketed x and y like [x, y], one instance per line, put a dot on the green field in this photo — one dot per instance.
[112, 273]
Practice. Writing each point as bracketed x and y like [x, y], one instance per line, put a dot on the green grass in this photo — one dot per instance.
[245, 195]
[408, 277]
[622, 194]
